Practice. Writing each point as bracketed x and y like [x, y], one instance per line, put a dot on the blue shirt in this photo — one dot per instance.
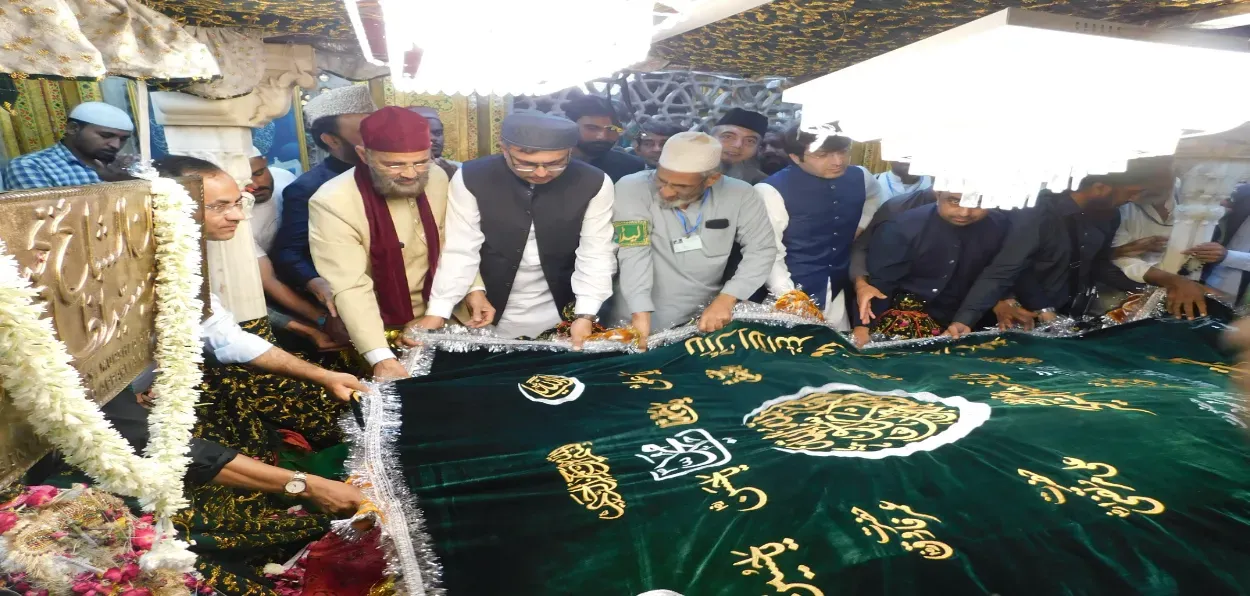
[54, 166]
[292, 259]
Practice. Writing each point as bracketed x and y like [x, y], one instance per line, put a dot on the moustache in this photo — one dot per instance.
[596, 147]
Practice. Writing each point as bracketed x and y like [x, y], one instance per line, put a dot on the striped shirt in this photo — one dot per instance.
[54, 166]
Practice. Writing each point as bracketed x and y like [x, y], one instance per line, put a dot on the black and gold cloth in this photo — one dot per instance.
[768, 460]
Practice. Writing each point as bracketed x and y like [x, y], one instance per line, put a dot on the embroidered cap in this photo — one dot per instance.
[353, 99]
[535, 130]
[691, 152]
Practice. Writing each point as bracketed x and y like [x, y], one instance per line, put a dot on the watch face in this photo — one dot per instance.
[295, 487]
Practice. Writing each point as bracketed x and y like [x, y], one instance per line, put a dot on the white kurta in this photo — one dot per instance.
[267, 216]
[894, 186]
[1137, 222]
[531, 309]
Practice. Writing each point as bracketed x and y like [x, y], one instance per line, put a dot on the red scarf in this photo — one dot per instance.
[386, 252]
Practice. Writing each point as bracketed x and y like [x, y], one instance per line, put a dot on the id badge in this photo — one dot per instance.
[687, 244]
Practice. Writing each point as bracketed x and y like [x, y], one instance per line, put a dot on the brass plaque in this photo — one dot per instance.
[90, 252]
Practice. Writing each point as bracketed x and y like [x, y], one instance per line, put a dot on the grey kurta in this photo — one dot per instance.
[675, 287]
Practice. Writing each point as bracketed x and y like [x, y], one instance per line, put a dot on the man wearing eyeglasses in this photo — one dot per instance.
[598, 132]
[537, 224]
[376, 231]
[675, 228]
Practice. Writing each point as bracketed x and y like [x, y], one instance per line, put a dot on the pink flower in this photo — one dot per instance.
[147, 519]
[143, 538]
[113, 575]
[59, 534]
[130, 572]
[39, 593]
[137, 592]
[8, 519]
[40, 495]
[86, 588]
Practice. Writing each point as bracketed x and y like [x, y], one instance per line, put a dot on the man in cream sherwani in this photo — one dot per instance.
[376, 231]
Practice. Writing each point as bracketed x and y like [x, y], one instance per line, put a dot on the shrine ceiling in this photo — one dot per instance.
[793, 38]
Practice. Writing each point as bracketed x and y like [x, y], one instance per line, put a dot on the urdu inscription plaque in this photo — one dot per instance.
[91, 254]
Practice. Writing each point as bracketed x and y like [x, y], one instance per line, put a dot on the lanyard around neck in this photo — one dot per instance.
[681, 215]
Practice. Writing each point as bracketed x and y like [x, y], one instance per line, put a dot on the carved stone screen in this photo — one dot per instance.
[90, 252]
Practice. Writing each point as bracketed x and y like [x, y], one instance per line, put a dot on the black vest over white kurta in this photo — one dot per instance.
[509, 206]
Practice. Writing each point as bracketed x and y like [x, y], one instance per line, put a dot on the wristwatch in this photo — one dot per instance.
[297, 484]
[591, 318]
[1046, 311]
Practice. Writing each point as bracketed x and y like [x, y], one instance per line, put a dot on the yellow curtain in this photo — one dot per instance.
[462, 117]
[38, 118]
[869, 155]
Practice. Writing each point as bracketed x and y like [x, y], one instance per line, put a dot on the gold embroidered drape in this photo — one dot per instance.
[869, 155]
[471, 123]
[38, 118]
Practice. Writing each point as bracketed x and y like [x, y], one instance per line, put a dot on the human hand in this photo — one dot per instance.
[1187, 299]
[332, 496]
[641, 322]
[481, 310]
[957, 330]
[116, 170]
[337, 330]
[342, 385]
[1047, 316]
[864, 294]
[428, 323]
[1208, 252]
[320, 288]
[146, 399]
[1141, 246]
[579, 331]
[388, 370]
[717, 314]
[861, 336]
[1010, 314]
[324, 341]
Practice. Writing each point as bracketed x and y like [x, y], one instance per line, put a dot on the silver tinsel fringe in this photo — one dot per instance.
[373, 461]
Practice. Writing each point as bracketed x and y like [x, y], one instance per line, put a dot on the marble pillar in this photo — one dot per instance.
[220, 131]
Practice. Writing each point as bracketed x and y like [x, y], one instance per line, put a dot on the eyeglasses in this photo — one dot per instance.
[239, 203]
[526, 167]
[400, 168]
[595, 129]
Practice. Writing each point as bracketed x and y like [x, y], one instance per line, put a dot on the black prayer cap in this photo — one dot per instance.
[747, 119]
[536, 130]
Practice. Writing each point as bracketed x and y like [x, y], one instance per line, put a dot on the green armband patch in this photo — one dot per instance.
[629, 234]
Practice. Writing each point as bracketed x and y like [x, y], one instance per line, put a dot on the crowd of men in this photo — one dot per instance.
[568, 232]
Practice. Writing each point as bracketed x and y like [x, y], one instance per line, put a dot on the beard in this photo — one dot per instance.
[595, 148]
[389, 188]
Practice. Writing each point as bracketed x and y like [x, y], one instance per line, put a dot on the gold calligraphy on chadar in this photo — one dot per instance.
[913, 532]
[1022, 395]
[748, 498]
[732, 375]
[747, 339]
[647, 378]
[1013, 360]
[866, 373]
[762, 558]
[549, 386]
[1232, 370]
[589, 479]
[674, 412]
[1097, 488]
[851, 421]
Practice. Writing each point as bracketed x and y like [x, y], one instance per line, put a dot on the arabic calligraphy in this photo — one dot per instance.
[551, 389]
[991, 345]
[747, 339]
[715, 481]
[1232, 370]
[639, 380]
[1013, 360]
[589, 479]
[687, 451]
[732, 375]
[759, 558]
[1097, 488]
[851, 421]
[869, 374]
[1022, 395]
[674, 412]
[912, 532]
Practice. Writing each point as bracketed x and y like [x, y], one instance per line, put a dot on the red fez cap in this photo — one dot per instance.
[395, 130]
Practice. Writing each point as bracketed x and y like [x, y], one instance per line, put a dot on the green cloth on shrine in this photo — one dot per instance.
[1151, 400]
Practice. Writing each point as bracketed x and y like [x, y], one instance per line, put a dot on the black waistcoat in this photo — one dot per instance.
[509, 206]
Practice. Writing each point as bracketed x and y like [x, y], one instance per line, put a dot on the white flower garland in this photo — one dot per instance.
[36, 373]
